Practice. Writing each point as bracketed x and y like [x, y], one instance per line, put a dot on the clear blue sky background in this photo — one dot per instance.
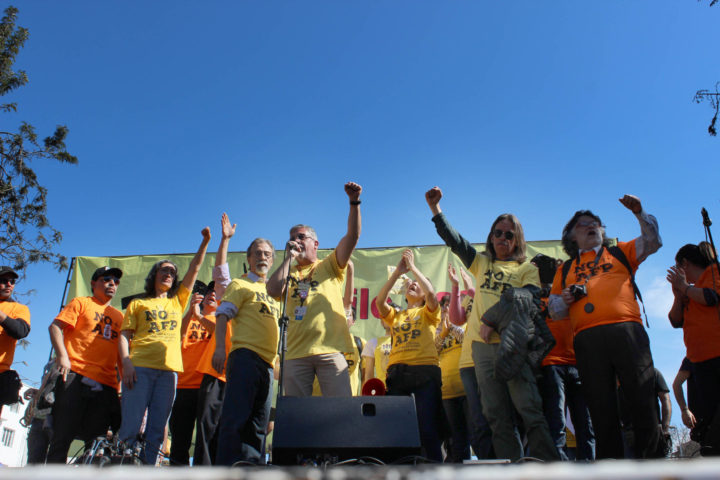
[181, 110]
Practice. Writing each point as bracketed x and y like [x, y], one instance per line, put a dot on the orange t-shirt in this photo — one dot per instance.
[609, 289]
[7, 343]
[90, 336]
[205, 364]
[701, 326]
[563, 353]
[193, 345]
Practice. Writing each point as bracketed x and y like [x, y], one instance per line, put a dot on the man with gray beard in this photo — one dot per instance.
[246, 407]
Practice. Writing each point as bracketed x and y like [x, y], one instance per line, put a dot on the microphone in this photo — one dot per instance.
[706, 218]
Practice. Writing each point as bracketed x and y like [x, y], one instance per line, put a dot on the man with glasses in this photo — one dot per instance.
[318, 333]
[596, 289]
[85, 336]
[15, 323]
[254, 338]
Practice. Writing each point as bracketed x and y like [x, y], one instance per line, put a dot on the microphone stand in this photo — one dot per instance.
[708, 234]
[282, 342]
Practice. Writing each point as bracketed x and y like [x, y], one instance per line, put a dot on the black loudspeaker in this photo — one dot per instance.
[320, 429]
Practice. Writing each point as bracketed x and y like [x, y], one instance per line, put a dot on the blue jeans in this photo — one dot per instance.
[154, 390]
[246, 409]
[560, 387]
[478, 426]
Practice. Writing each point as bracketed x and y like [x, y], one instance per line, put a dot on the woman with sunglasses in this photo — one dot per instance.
[502, 265]
[695, 281]
[150, 350]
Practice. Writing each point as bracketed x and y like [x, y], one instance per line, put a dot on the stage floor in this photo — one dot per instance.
[695, 469]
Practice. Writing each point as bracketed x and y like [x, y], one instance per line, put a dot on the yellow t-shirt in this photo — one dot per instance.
[413, 336]
[382, 356]
[255, 324]
[156, 322]
[315, 308]
[449, 354]
[491, 280]
[354, 362]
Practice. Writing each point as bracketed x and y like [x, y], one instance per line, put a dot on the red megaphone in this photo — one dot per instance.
[373, 387]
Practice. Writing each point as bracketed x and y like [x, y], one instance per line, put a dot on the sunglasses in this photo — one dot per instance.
[8, 280]
[508, 235]
[167, 271]
[591, 223]
[107, 278]
[300, 236]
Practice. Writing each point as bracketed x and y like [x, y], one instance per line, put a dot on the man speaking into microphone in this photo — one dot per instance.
[317, 333]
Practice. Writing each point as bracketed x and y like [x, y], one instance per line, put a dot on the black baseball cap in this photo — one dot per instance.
[116, 272]
[5, 270]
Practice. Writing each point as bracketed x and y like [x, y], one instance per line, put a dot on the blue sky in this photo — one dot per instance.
[181, 110]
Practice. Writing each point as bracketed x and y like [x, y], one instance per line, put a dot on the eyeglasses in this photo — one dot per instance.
[260, 253]
[508, 235]
[591, 223]
[108, 278]
[167, 271]
[300, 236]
[8, 280]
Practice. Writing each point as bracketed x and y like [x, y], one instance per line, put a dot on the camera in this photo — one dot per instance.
[578, 291]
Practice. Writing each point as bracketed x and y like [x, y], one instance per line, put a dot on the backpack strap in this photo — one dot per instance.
[358, 345]
[617, 252]
[565, 270]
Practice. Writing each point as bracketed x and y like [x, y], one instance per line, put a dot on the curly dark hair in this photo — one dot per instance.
[150, 280]
[568, 239]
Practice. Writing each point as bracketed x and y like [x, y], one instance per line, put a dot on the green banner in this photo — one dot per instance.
[371, 272]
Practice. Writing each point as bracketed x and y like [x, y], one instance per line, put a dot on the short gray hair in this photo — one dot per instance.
[309, 229]
[258, 241]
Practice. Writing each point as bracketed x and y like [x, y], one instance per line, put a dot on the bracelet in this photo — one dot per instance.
[355, 202]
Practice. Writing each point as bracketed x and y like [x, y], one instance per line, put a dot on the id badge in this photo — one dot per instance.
[300, 312]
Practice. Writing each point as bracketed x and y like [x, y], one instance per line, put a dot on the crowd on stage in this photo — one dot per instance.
[535, 357]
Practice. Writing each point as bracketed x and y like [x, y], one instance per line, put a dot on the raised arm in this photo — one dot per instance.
[221, 272]
[349, 286]
[347, 244]
[467, 281]
[459, 246]
[431, 300]
[456, 313]
[194, 313]
[189, 279]
[677, 311]
[649, 240]
[382, 296]
[682, 290]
